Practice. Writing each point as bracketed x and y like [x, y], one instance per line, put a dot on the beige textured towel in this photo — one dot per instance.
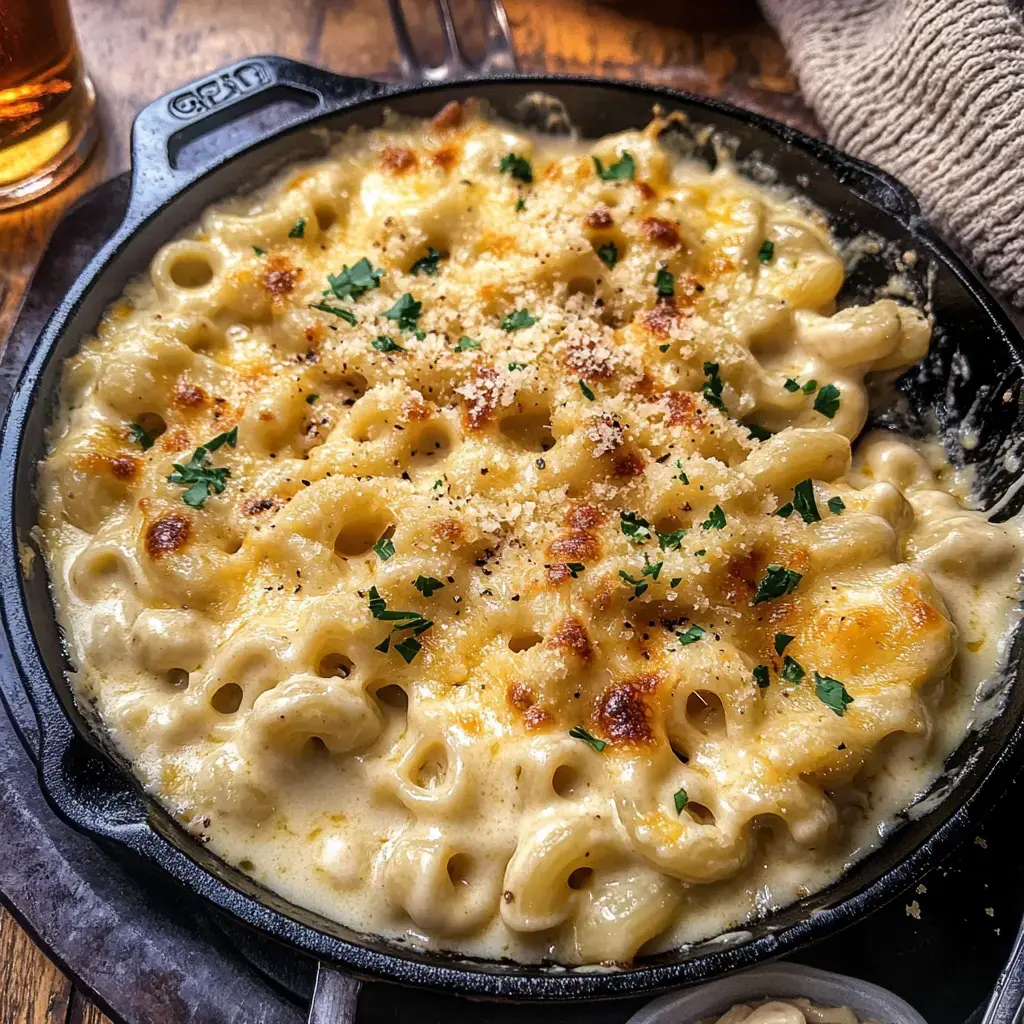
[933, 92]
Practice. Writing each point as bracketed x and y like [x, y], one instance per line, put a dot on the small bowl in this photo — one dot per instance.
[779, 981]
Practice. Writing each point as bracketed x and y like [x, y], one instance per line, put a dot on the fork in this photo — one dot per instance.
[499, 54]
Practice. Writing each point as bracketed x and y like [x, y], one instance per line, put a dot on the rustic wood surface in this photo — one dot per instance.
[138, 49]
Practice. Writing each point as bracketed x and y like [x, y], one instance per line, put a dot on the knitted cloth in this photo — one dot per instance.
[933, 92]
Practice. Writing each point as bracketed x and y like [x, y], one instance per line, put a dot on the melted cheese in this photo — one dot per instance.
[529, 433]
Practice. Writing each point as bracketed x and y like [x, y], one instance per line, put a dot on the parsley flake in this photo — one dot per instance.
[577, 732]
[638, 585]
[385, 645]
[832, 693]
[311, 399]
[634, 527]
[761, 676]
[623, 169]
[782, 641]
[777, 581]
[803, 502]
[809, 387]
[140, 436]
[791, 385]
[690, 635]
[715, 519]
[517, 166]
[826, 401]
[670, 541]
[767, 251]
[792, 670]
[675, 581]
[344, 314]
[512, 367]
[520, 204]
[437, 484]
[382, 343]
[664, 283]
[836, 505]
[588, 394]
[680, 799]
[467, 344]
[259, 252]
[608, 254]
[384, 548]
[651, 568]
[426, 585]
[785, 511]
[427, 264]
[712, 389]
[405, 312]
[575, 568]
[354, 281]
[701, 553]
[203, 480]
[665, 347]
[682, 474]
[409, 648]
[518, 320]
[298, 230]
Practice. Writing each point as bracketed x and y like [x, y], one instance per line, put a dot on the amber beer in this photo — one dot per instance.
[46, 99]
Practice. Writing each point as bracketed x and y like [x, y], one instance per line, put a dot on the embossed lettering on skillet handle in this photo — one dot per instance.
[164, 127]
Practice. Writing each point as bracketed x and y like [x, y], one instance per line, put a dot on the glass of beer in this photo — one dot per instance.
[46, 99]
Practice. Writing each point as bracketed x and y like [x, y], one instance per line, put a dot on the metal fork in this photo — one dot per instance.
[499, 54]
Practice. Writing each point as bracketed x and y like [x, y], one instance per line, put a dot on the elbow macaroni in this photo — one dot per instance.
[478, 644]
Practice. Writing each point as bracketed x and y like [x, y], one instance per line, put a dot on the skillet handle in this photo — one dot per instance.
[335, 997]
[164, 129]
[1008, 997]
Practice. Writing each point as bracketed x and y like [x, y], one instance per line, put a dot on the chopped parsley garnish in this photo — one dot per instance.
[382, 343]
[577, 732]
[379, 609]
[409, 648]
[803, 502]
[575, 568]
[777, 581]
[203, 480]
[354, 281]
[298, 230]
[715, 519]
[836, 505]
[712, 389]
[761, 676]
[791, 385]
[518, 166]
[665, 347]
[512, 367]
[682, 473]
[782, 641]
[622, 170]
[651, 568]
[634, 527]
[608, 254]
[385, 645]
[437, 484]
[520, 204]
[467, 344]
[384, 548]
[670, 541]
[792, 670]
[588, 394]
[767, 250]
[427, 264]
[675, 581]
[680, 799]
[701, 553]
[345, 314]
[311, 399]
[518, 320]
[140, 436]
[826, 401]
[426, 585]
[664, 283]
[259, 252]
[785, 511]
[638, 585]
[690, 635]
[809, 387]
[832, 693]
[405, 312]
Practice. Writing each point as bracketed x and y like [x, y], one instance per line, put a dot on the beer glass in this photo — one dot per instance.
[46, 99]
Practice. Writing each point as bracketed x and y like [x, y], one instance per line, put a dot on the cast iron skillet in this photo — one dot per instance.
[974, 369]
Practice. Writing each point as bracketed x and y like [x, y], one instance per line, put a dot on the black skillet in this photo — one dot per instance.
[974, 369]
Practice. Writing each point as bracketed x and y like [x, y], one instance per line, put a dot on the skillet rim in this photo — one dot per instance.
[489, 979]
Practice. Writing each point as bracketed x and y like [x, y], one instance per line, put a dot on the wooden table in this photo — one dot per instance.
[138, 49]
